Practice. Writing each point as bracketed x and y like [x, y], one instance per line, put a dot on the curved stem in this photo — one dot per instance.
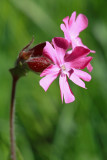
[12, 112]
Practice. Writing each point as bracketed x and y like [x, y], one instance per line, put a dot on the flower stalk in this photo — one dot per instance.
[12, 115]
[28, 59]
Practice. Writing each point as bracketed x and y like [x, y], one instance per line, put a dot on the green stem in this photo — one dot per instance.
[12, 114]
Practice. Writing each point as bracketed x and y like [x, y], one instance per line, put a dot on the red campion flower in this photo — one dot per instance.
[72, 27]
[65, 65]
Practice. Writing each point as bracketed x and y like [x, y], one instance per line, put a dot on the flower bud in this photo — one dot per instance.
[34, 57]
[38, 64]
[30, 59]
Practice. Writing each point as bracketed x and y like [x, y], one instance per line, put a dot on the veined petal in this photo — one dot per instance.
[89, 67]
[50, 52]
[80, 24]
[60, 42]
[77, 80]
[66, 20]
[47, 80]
[66, 32]
[72, 27]
[65, 90]
[63, 28]
[60, 45]
[83, 75]
[77, 53]
[72, 19]
[80, 63]
[52, 69]
[68, 66]
[61, 84]
[77, 42]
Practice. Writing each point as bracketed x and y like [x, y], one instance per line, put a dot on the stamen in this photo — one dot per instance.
[63, 67]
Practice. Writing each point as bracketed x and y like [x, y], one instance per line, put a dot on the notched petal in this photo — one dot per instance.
[78, 52]
[81, 63]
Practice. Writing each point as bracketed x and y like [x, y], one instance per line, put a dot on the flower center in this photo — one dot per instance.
[63, 68]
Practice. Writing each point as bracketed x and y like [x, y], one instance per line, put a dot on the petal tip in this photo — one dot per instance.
[65, 20]
[70, 100]
[41, 84]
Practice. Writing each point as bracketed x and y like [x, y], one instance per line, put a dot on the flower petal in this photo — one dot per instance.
[78, 42]
[61, 84]
[66, 21]
[52, 69]
[92, 51]
[65, 90]
[80, 24]
[60, 45]
[89, 67]
[50, 52]
[83, 75]
[81, 63]
[78, 52]
[66, 26]
[47, 80]
[77, 80]
[66, 32]
[72, 19]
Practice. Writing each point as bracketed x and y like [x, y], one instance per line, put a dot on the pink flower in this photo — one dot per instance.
[72, 27]
[65, 65]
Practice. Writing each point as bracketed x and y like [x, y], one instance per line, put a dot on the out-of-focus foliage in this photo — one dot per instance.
[45, 128]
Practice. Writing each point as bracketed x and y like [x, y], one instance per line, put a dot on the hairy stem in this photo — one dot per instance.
[12, 114]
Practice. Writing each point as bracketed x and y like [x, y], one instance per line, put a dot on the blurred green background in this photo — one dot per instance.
[45, 128]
